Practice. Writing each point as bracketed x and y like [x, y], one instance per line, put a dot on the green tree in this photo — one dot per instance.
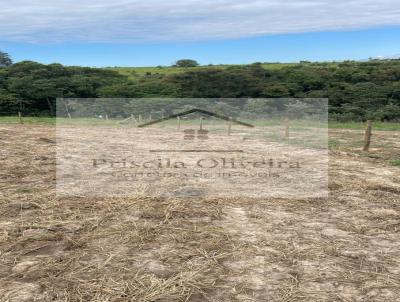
[9, 103]
[186, 63]
[5, 59]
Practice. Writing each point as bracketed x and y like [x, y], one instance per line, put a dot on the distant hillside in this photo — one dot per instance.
[166, 70]
[356, 90]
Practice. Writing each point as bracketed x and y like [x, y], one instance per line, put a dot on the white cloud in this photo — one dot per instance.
[166, 20]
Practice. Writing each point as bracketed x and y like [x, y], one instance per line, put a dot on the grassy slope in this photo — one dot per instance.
[382, 126]
[27, 120]
[139, 71]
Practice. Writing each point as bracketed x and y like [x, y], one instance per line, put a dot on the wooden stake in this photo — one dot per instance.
[179, 122]
[229, 126]
[201, 123]
[20, 117]
[367, 136]
[20, 111]
[67, 109]
[149, 117]
[286, 121]
[140, 118]
[134, 120]
[106, 117]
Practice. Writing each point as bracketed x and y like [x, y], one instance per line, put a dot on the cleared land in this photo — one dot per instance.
[342, 248]
[250, 162]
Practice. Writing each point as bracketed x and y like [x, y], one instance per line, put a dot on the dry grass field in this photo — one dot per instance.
[342, 248]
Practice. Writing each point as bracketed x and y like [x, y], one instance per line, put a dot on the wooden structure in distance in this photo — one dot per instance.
[196, 110]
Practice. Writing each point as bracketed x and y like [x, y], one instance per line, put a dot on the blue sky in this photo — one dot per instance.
[319, 46]
[158, 32]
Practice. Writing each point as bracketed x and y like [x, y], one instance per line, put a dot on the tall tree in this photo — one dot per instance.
[5, 59]
[186, 63]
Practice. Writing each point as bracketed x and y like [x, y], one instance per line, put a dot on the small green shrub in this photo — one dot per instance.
[395, 162]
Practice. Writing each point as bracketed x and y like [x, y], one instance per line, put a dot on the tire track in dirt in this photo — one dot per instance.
[247, 270]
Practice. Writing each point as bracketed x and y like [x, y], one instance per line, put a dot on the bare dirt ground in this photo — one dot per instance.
[246, 163]
[342, 248]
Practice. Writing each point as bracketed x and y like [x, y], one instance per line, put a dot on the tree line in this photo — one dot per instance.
[356, 90]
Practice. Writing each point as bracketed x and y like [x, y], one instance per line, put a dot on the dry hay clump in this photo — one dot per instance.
[123, 250]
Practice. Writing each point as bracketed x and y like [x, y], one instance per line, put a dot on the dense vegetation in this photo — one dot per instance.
[356, 90]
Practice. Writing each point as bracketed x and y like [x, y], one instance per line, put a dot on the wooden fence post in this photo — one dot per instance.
[20, 117]
[286, 121]
[229, 126]
[201, 123]
[179, 122]
[106, 117]
[367, 136]
[134, 120]
[67, 109]
[21, 106]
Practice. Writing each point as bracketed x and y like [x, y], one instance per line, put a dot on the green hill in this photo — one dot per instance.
[141, 71]
[356, 90]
